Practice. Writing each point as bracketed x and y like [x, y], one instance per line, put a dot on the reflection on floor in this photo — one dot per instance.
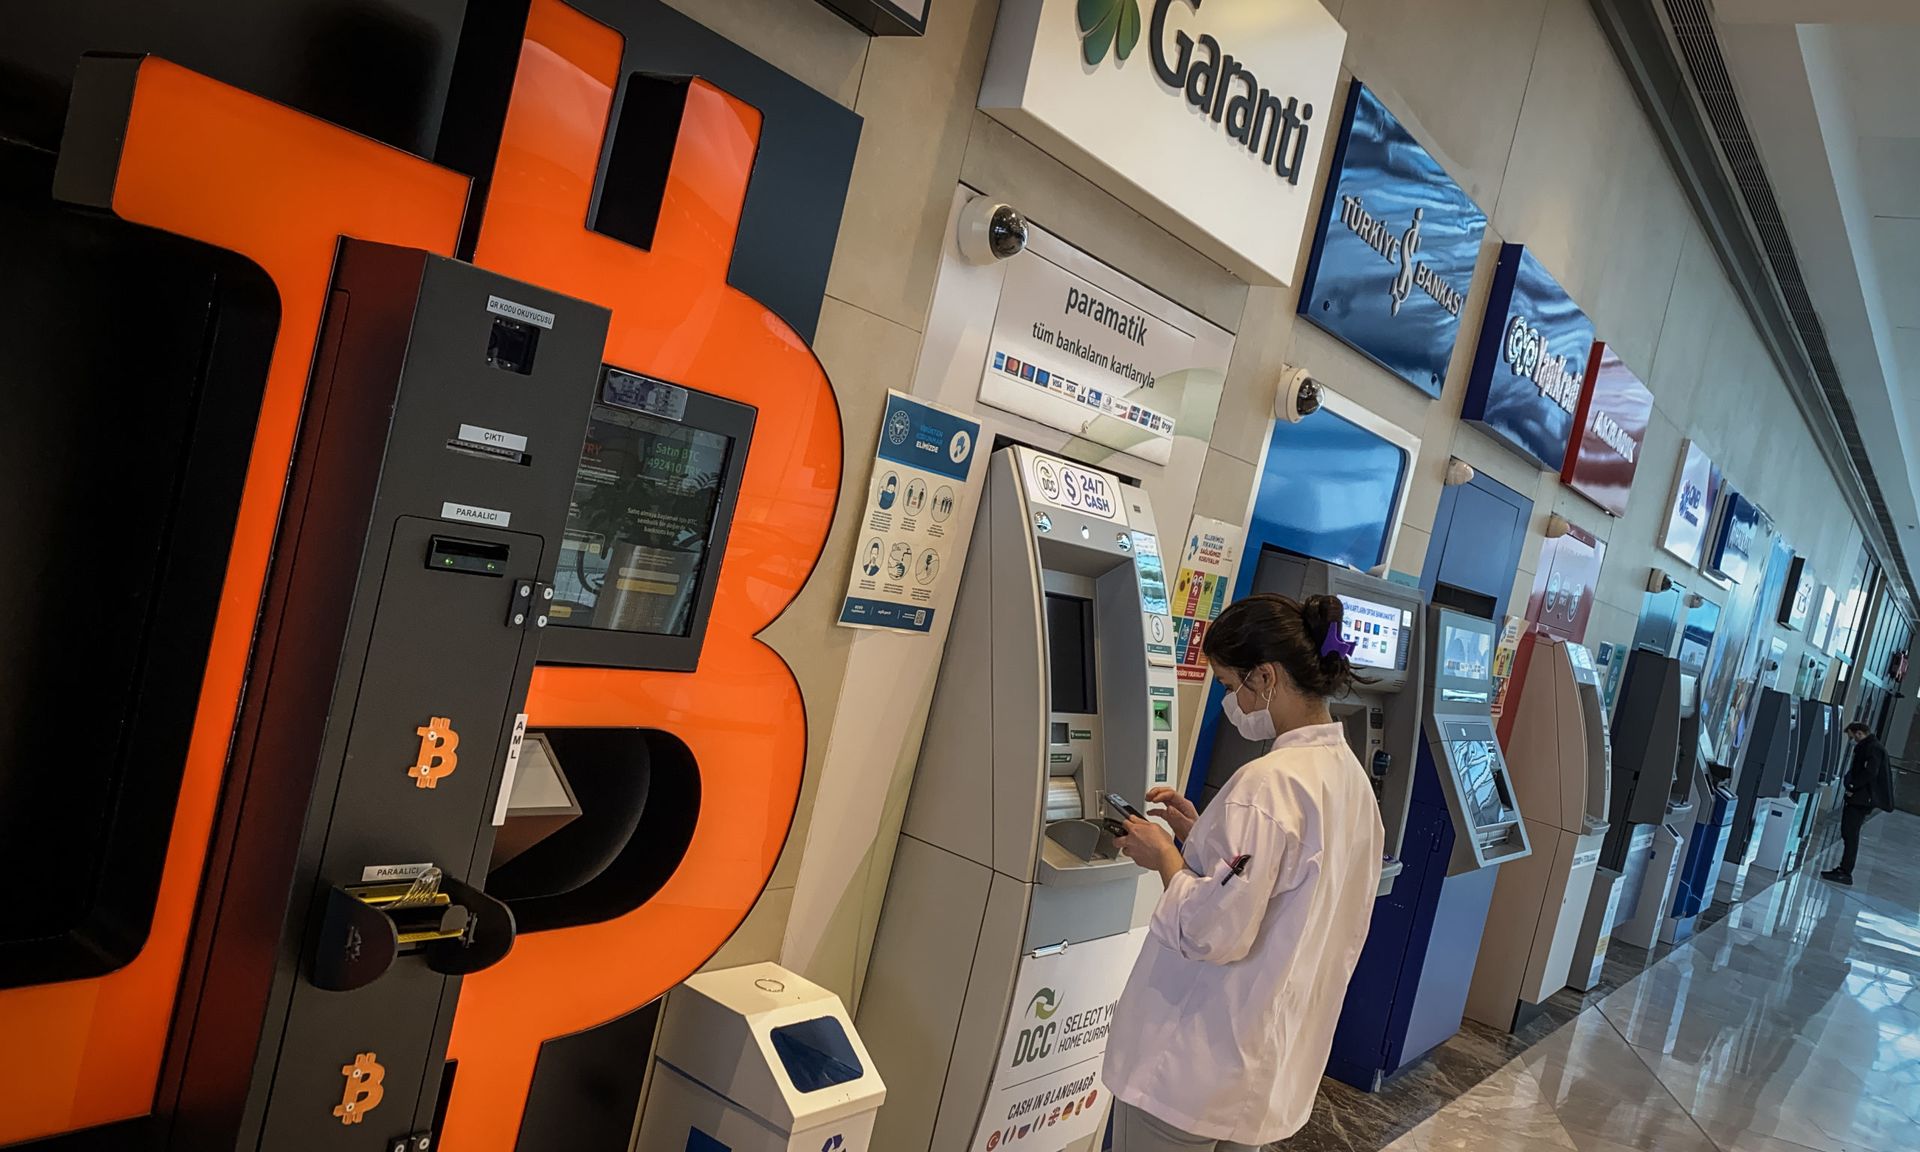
[1792, 1023]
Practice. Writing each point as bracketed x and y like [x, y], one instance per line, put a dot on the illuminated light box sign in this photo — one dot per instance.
[1205, 118]
[1730, 556]
[1796, 603]
[1563, 589]
[1696, 493]
[1531, 364]
[1612, 421]
[1113, 363]
[1398, 240]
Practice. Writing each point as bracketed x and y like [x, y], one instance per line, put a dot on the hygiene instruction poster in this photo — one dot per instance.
[910, 551]
[1209, 558]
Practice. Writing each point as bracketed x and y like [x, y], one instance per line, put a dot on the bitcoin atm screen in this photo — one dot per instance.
[641, 523]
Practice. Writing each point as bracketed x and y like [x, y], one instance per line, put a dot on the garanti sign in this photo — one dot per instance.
[1203, 115]
[1531, 364]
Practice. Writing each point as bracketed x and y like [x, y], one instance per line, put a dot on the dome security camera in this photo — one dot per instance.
[989, 231]
[1297, 396]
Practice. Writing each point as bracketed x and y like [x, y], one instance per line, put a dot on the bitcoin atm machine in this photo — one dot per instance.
[395, 646]
[1558, 753]
[1008, 928]
[1382, 717]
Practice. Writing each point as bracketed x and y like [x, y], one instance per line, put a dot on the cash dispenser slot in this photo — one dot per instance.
[453, 927]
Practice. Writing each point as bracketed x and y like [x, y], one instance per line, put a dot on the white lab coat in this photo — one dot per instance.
[1225, 1025]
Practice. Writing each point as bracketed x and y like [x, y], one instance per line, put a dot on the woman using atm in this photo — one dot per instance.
[1221, 1036]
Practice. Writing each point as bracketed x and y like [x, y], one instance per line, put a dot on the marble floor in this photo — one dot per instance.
[1792, 1023]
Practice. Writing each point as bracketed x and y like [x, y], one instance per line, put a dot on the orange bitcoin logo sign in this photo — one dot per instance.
[675, 317]
[363, 1092]
[437, 758]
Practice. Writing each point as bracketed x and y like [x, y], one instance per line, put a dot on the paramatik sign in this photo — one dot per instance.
[1531, 362]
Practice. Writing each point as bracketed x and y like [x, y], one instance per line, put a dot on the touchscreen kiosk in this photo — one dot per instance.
[1764, 769]
[1382, 715]
[1559, 756]
[653, 500]
[1488, 828]
[1056, 689]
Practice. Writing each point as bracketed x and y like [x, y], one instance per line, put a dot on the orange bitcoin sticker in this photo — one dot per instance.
[363, 1091]
[437, 758]
[675, 318]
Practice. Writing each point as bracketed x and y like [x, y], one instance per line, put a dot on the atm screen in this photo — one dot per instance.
[639, 529]
[1466, 653]
[1375, 631]
[1476, 761]
[1070, 683]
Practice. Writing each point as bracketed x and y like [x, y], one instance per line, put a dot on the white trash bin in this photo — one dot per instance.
[757, 1059]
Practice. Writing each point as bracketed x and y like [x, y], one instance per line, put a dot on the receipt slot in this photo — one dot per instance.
[757, 1059]
[1384, 622]
[1556, 746]
[1473, 773]
[1008, 928]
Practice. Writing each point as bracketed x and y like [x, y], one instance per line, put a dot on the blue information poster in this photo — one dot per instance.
[1393, 260]
[911, 548]
[1531, 363]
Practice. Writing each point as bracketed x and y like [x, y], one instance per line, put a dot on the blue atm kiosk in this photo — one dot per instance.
[1410, 988]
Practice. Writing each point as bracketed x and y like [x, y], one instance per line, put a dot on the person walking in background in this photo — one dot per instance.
[1869, 790]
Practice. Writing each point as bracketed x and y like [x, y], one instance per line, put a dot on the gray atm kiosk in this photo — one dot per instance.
[1473, 771]
[1009, 924]
[1765, 768]
[1382, 718]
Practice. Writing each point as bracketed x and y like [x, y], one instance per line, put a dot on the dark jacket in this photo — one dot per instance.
[1869, 781]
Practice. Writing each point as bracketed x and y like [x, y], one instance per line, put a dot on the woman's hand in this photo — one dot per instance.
[1175, 809]
[1148, 845]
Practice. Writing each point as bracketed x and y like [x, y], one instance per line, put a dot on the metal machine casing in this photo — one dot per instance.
[1382, 715]
[986, 890]
[388, 612]
[1557, 750]
[1473, 773]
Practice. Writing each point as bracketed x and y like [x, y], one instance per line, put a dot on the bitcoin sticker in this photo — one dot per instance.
[437, 758]
[363, 1091]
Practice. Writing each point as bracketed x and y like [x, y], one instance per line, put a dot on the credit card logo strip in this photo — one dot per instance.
[500, 306]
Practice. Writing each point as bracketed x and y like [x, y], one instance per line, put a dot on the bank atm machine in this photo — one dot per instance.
[1816, 731]
[1009, 925]
[1767, 762]
[1561, 764]
[1639, 922]
[1383, 621]
[1409, 990]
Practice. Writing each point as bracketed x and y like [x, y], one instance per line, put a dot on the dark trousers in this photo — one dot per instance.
[1851, 818]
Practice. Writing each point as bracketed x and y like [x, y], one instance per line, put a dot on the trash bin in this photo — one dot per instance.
[757, 1059]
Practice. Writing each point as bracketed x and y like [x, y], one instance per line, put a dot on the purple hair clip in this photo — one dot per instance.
[1333, 644]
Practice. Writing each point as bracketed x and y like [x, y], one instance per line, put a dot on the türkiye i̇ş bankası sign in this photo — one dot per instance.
[1531, 361]
[1393, 260]
[1203, 115]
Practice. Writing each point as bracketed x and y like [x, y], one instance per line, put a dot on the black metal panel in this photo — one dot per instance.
[1646, 749]
[586, 1086]
[378, 67]
[885, 17]
[125, 461]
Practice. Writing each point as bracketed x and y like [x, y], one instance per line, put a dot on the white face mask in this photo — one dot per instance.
[1254, 726]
